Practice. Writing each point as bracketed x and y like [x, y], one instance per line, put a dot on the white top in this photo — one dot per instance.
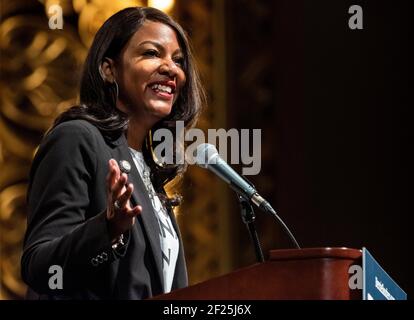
[168, 236]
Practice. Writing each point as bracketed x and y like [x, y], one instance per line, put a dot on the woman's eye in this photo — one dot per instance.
[179, 61]
[151, 53]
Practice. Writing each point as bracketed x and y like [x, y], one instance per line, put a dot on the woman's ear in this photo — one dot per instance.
[107, 70]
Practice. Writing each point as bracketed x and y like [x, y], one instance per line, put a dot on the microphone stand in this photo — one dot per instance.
[248, 218]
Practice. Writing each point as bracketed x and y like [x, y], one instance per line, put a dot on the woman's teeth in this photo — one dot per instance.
[161, 87]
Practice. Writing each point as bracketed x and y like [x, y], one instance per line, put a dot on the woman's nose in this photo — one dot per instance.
[169, 67]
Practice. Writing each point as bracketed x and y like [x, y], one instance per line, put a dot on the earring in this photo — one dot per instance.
[101, 73]
[116, 89]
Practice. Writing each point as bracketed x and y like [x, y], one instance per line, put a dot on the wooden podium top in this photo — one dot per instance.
[310, 274]
[313, 253]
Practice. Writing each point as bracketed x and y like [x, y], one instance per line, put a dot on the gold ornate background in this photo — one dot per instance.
[39, 73]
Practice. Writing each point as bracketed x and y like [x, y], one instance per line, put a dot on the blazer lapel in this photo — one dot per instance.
[140, 196]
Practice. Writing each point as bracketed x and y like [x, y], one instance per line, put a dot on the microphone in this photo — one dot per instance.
[207, 156]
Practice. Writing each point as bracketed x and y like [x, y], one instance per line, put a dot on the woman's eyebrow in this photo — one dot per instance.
[154, 43]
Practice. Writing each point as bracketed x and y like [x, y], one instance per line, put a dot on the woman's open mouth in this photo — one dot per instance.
[163, 90]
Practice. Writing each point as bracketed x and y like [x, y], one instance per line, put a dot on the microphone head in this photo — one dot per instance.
[206, 154]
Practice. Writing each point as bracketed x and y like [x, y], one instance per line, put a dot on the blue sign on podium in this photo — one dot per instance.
[378, 285]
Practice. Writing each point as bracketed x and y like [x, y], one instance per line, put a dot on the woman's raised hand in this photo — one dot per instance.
[119, 213]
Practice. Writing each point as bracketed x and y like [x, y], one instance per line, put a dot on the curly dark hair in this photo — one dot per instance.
[98, 97]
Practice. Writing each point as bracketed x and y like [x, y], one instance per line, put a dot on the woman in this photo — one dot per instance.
[112, 233]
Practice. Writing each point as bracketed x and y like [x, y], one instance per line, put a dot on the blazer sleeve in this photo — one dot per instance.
[61, 231]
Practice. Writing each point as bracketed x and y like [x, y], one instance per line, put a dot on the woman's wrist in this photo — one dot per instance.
[118, 242]
[113, 232]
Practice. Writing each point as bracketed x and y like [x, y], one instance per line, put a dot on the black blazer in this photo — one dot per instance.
[67, 225]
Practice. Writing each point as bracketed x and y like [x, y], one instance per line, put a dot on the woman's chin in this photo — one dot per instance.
[160, 111]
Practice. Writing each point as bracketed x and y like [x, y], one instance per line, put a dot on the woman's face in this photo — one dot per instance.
[149, 72]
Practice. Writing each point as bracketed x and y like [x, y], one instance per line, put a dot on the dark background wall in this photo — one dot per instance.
[331, 103]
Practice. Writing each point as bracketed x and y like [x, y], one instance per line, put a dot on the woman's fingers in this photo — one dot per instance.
[116, 167]
[124, 204]
[113, 174]
[110, 177]
[123, 199]
[118, 187]
[136, 210]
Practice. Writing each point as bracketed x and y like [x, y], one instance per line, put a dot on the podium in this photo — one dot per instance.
[308, 274]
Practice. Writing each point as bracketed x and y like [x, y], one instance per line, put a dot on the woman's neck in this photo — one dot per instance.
[137, 132]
